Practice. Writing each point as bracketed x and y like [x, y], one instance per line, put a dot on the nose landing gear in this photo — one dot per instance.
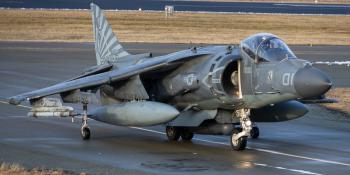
[239, 137]
[238, 143]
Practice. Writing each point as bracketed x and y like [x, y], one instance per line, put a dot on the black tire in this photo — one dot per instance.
[254, 133]
[186, 135]
[173, 133]
[85, 133]
[239, 144]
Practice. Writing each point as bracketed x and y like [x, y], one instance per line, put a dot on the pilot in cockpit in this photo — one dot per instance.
[274, 49]
[264, 47]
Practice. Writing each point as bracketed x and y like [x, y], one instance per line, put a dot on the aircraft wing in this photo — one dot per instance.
[112, 76]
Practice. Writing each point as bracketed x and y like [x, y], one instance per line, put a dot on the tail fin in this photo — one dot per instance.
[107, 47]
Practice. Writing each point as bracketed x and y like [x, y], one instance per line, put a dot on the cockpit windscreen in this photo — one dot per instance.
[274, 49]
[266, 47]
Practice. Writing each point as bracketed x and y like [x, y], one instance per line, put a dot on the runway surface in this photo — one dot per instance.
[315, 144]
[195, 6]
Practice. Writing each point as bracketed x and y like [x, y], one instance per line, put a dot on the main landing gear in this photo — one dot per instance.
[239, 136]
[174, 133]
[85, 130]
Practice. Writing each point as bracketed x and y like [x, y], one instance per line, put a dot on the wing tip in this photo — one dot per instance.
[15, 100]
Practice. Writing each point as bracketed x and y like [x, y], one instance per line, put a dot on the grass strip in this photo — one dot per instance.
[73, 25]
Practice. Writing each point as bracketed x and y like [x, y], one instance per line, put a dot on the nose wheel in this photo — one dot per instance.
[240, 143]
[239, 135]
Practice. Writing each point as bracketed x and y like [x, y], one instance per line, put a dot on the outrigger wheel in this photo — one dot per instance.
[85, 130]
[85, 133]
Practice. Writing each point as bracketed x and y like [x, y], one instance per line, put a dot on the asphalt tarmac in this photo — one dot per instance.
[315, 144]
[194, 6]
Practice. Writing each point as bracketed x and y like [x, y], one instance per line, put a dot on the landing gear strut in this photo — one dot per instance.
[239, 137]
[85, 130]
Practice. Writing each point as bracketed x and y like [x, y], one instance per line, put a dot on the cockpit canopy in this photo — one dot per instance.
[265, 47]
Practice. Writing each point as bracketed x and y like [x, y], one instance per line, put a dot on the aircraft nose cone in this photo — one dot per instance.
[311, 82]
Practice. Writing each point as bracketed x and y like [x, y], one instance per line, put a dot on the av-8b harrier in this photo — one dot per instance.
[202, 90]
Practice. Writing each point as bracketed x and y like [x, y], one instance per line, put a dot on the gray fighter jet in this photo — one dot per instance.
[220, 90]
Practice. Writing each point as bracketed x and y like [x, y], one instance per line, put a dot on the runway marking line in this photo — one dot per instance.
[226, 144]
[312, 5]
[221, 143]
[288, 169]
[256, 149]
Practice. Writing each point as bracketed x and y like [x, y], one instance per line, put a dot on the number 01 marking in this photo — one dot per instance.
[287, 79]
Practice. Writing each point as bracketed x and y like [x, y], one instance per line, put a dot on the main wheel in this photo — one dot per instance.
[186, 135]
[85, 133]
[254, 133]
[172, 133]
[240, 143]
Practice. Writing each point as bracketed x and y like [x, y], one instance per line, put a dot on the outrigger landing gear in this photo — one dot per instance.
[239, 137]
[85, 130]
